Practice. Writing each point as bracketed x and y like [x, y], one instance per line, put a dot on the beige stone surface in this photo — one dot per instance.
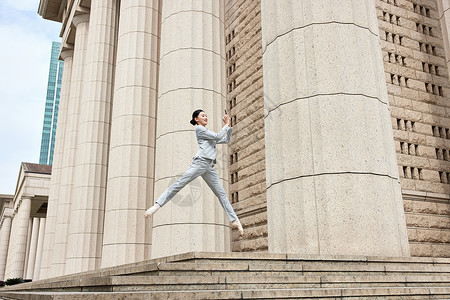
[313, 145]
[245, 104]
[57, 254]
[27, 247]
[444, 20]
[316, 228]
[52, 206]
[39, 250]
[32, 249]
[90, 173]
[412, 68]
[331, 99]
[252, 276]
[428, 221]
[127, 236]
[192, 76]
[419, 105]
[30, 196]
[5, 231]
[18, 244]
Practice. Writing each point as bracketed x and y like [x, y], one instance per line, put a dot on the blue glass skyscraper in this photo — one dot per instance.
[51, 106]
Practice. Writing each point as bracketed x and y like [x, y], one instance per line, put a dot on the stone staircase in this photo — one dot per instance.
[203, 275]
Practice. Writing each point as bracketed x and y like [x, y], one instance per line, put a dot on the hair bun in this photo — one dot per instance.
[195, 115]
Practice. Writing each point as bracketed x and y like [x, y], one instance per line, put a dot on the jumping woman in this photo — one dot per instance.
[203, 165]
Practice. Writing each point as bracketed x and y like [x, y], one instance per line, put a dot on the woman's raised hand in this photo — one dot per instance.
[227, 120]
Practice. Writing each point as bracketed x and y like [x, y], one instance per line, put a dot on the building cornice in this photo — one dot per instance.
[424, 196]
[52, 9]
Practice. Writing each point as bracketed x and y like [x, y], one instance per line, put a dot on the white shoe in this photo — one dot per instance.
[237, 224]
[149, 212]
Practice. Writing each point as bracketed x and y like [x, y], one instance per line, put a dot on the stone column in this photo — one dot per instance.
[40, 246]
[192, 76]
[127, 236]
[27, 248]
[58, 155]
[12, 241]
[332, 178]
[81, 22]
[5, 230]
[33, 248]
[444, 20]
[17, 249]
[89, 192]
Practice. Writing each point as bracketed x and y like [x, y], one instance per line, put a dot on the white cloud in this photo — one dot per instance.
[25, 57]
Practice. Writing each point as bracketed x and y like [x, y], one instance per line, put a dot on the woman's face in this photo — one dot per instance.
[202, 119]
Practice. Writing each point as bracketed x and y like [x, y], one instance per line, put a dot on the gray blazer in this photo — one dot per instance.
[208, 139]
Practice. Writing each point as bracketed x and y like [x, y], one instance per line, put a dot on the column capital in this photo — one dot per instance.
[66, 46]
[66, 53]
[7, 213]
[78, 19]
[19, 201]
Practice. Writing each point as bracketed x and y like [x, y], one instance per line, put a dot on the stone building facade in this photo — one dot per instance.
[415, 65]
[5, 229]
[245, 102]
[22, 223]
[415, 62]
[340, 128]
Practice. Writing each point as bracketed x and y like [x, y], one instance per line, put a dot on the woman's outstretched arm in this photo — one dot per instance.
[206, 134]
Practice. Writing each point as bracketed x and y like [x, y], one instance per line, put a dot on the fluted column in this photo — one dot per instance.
[27, 248]
[12, 242]
[192, 76]
[33, 249]
[127, 236]
[5, 231]
[17, 249]
[332, 178]
[444, 19]
[89, 192]
[39, 249]
[58, 155]
[81, 23]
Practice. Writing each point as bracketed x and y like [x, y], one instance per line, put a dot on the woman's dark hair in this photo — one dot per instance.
[195, 115]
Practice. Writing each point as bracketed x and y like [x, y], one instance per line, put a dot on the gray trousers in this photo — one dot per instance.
[200, 167]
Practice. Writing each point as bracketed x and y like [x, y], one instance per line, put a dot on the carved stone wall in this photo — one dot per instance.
[245, 104]
[418, 88]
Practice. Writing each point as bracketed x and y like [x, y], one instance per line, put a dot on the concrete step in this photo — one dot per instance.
[228, 273]
[288, 268]
[271, 282]
[236, 282]
[235, 273]
[272, 263]
[311, 293]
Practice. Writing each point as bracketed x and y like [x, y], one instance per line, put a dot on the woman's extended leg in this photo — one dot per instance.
[193, 172]
[212, 180]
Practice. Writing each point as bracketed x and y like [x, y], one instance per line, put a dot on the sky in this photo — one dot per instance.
[25, 59]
